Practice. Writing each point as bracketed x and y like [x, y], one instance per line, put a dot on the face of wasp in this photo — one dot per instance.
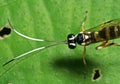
[76, 39]
[73, 40]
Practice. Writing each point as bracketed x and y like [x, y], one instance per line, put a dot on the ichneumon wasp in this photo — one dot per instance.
[102, 33]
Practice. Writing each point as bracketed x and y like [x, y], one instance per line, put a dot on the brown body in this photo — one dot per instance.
[104, 34]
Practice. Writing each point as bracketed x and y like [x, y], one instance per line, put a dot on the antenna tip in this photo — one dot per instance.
[8, 62]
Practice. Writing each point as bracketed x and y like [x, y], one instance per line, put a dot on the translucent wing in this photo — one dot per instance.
[105, 25]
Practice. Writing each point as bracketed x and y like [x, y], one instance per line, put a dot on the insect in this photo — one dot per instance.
[102, 33]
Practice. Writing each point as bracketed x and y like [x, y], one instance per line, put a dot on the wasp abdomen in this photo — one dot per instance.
[109, 33]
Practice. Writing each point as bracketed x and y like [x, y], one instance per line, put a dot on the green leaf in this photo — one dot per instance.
[54, 20]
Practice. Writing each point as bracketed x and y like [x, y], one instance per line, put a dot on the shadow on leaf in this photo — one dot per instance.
[74, 65]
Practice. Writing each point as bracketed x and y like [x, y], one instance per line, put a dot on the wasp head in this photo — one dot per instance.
[71, 41]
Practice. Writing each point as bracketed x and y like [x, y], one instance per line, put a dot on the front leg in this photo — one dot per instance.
[101, 45]
[84, 20]
[83, 56]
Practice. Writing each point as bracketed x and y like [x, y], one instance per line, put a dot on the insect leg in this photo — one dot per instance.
[101, 45]
[111, 43]
[83, 30]
[107, 44]
[84, 54]
[116, 44]
[83, 23]
[102, 26]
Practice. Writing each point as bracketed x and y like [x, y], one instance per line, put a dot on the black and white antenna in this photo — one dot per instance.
[34, 39]
[71, 42]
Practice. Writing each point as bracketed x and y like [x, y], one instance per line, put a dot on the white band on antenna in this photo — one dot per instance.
[27, 37]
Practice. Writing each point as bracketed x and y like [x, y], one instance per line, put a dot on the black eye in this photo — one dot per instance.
[79, 38]
[71, 41]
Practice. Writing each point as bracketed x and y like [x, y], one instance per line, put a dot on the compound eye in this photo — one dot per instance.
[71, 41]
[79, 38]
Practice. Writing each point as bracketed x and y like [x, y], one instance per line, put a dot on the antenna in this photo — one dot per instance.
[34, 39]
[31, 51]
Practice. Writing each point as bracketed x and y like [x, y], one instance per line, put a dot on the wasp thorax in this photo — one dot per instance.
[71, 41]
[79, 38]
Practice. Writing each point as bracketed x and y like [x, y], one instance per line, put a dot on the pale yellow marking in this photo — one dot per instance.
[116, 31]
[97, 37]
[96, 32]
[88, 32]
[83, 44]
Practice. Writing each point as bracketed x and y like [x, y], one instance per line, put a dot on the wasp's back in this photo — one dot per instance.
[104, 32]
[107, 31]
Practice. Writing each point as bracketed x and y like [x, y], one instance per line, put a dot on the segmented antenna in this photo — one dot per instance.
[31, 51]
[34, 39]
[34, 50]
